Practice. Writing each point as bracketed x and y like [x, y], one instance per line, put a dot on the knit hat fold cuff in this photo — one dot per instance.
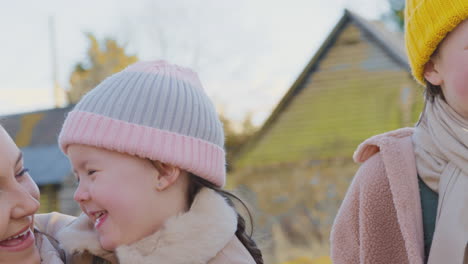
[197, 156]
[427, 23]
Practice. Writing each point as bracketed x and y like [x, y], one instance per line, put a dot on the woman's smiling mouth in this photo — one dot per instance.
[18, 242]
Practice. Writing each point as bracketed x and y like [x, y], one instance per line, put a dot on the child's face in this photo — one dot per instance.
[451, 69]
[122, 188]
[19, 197]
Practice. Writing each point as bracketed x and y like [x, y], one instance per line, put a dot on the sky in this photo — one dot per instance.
[247, 52]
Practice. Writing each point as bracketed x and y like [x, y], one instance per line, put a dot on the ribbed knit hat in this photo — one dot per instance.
[153, 110]
[427, 22]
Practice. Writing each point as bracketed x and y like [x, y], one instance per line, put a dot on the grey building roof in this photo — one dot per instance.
[47, 164]
[36, 134]
[40, 127]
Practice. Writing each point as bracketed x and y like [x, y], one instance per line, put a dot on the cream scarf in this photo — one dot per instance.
[441, 150]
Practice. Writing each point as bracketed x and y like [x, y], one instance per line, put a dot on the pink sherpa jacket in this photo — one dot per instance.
[380, 219]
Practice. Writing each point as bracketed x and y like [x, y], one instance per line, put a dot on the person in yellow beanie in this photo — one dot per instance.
[408, 202]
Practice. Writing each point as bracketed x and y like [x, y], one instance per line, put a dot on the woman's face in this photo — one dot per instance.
[19, 198]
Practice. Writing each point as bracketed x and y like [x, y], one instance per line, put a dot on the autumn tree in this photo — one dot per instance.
[102, 60]
[396, 13]
[236, 134]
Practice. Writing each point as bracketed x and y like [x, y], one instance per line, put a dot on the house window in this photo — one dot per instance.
[49, 198]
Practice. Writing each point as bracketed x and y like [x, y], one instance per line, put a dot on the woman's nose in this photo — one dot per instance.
[25, 204]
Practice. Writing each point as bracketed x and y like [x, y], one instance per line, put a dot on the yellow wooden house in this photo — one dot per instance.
[297, 168]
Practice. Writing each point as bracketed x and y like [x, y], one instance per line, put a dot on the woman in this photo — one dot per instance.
[24, 237]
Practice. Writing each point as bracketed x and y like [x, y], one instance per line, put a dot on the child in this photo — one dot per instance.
[146, 146]
[408, 203]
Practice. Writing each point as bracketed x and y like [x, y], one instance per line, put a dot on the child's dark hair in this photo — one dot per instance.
[196, 184]
[432, 91]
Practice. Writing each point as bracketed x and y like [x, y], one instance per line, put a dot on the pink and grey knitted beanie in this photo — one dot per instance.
[153, 110]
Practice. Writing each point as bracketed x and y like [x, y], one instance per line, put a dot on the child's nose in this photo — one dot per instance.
[81, 193]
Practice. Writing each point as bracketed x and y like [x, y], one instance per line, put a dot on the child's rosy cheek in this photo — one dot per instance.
[460, 81]
[461, 89]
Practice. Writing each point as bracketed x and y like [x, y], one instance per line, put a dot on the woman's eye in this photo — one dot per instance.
[22, 172]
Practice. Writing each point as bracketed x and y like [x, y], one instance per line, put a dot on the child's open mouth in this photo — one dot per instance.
[100, 217]
[18, 242]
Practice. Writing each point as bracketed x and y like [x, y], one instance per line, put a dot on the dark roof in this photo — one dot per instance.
[35, 128]
[36, 134]
[391, 42]
[46, 164]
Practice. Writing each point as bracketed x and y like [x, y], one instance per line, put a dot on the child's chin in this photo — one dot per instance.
[107, 244]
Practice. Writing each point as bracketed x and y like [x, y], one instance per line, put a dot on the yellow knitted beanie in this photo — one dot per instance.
[427, 22]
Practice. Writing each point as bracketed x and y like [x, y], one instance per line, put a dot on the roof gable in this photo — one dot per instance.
[345, 68]
[35, 128]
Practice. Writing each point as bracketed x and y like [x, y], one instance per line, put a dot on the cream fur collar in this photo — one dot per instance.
[192, 237]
